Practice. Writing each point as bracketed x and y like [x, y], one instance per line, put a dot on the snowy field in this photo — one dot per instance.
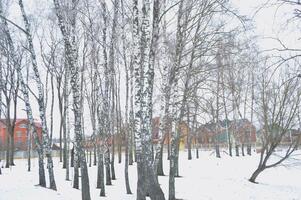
[203, 178]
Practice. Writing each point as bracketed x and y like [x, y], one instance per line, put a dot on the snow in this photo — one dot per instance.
[204, 178]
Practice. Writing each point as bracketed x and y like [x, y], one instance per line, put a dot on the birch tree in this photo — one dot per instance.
[143, 98]
[9, 89]
[24, 89]
[71, 56]
[41, 101]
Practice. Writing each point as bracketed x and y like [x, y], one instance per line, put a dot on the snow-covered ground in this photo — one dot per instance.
[203, 178]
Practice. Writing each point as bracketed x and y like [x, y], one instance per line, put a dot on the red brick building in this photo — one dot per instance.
[241, 131]
[20, 133]
[184, 131]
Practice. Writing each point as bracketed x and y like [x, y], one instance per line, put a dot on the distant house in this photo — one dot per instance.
[20, 133]
[291, 135]
[240, 131]
[184, 131]
[295, 135]
[243, 130]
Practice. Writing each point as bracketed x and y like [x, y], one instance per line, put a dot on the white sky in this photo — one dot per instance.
[271, 21]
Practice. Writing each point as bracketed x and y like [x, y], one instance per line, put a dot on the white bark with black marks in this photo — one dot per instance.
[71, 57]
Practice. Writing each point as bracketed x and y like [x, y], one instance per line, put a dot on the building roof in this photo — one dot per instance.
[18, 121]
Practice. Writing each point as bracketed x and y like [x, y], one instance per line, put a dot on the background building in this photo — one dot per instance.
[21, 134]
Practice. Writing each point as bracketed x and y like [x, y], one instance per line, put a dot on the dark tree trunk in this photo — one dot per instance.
[51, 172]
[230, 149]
[153, 154]
[87, 154]
[108, 170]
[237, 150]
[189, 151]
[153, 187]
[61, 147]
[160, 171]
[255, 174]
[189, 135]
[12, 149]
[131, 159]
[141, 190]
[99, 168]
[65, 119]
[42, 180]
[126, 165]
[217, 151]
[100, 177]
[28, 150]
[94, 156]
[119, 149]
[135, 153]
[64, 154]
[76, 172]
[90, 158]
[168, 146]
[72, 157]
[177, 158]
[84, 178]
[249, 149]
[172, 172]
[7, 150]
[243, 149]
[113, 177]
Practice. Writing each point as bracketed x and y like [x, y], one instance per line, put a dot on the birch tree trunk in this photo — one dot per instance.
[249, 150]
[76, 170]
[131, 116]
[51, 108]
[144, 152]
[65, 122]
[67, 126]
[100, 180]
[174, 85]
[217, 123]
[62, 118]
[71, 57]
[42, 109]
[188, 134]
[141, 187]
[111, 68]
[39, 147]
[194, 126]
[127, 116]
[158, 7]
[127, 128]
[226, 111]
[28, 148]
[101, 139]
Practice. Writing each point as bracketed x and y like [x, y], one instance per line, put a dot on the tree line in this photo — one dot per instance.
[120, 63]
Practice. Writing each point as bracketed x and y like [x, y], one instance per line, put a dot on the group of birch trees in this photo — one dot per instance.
[115, 65]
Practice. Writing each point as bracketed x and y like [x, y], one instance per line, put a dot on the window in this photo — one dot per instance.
[18, 143]
[1, 146]
[19, 133]
[23, 126]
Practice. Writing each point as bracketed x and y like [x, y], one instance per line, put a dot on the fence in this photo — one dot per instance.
[24, 154]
